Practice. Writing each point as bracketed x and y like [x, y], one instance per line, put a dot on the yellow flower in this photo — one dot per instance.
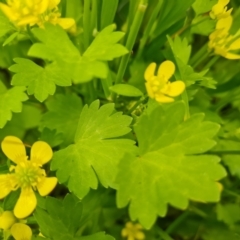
[133, 231]
[159, 87]
[35, 12]
[219, 10]
[26, 174]
[20, 231]
[221, 42]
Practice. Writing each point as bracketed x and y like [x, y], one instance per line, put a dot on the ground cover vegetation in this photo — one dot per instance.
[119, 119]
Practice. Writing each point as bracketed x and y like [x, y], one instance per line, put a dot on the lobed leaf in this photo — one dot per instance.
[169, 168]
[39, 81]
[10, 101]
[97, 150]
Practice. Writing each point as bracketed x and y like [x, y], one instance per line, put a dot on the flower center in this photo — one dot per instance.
[158, 84]
[28, 174]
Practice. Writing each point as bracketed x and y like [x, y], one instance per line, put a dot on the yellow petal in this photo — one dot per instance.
[31, 20]
[175, 88]
[8, 12]
[163, 99]
[235, 45]
[149, 90]
[53, 3]
[7, 219]
[26, 203]
[150, 71]
[21, 231]
[223, 2]
[43, 6]
[166, 70]
[41, 152]
[232, 56]
[5, 187]
[13, 148]
[224, 23]
[124, 232]
[47, 185]
[66, 23]
[140, 235]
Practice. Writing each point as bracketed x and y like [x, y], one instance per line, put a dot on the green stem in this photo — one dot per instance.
[176, 222]
[137, 21]
[199, 55]
[231, 193]
[148, 28]
[91, 91]
[212, 61]
[106, 83]
[185, 100]
[225, 152]
[86, 23]
[142, 99]
[94, 16]
[164, 235]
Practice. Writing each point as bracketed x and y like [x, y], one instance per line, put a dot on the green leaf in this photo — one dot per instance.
[203, 6]
[203, 25]
[67, 57]
[170, 168]
[180, 49]
[126, 90]
[181, 52]
[228, 213]
[10, 101]
[105, 47]
[61, 220]
[39, 81]
[63, 115]
[97, 149]
[5, 25]
[51, 137]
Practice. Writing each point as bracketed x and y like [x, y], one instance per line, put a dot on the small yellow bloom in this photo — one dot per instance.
[221, 42]
[9, 224]
[26, 174]
[219, 10]
[35, 12]
[159, 87]
[133, 231]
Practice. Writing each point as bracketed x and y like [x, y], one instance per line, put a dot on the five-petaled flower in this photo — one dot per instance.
[35, 12]
[133, 231]
[219, 10]
[26, 174]
[158, 86]
[10, 225]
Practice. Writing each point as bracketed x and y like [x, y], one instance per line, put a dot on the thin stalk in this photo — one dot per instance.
[148, 28]
[108, 12]
[185, 100]
[199, 54]
[212, 61]
[225, 152]
[86, 23]
[106, 83]
[94, 15]
[142, 99]
[164, 235]
[137, 21]
[231, 193]
[176, 222]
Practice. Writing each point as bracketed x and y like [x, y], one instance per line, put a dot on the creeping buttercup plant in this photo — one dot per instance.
[119, 119]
